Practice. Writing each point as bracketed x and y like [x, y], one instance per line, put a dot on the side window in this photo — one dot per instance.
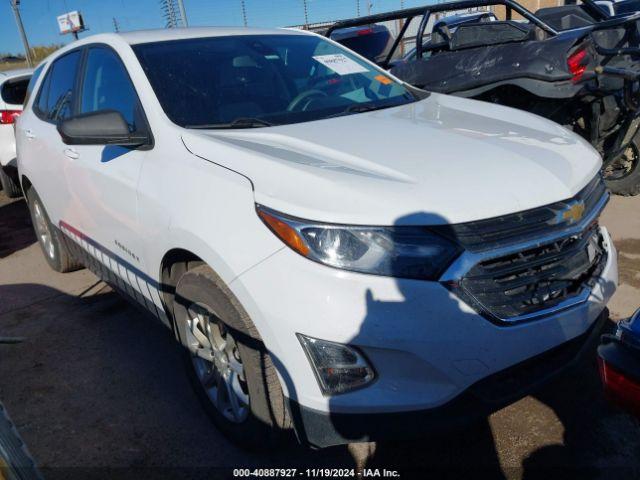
[40, 105]
[55, 101]
[107, 86]
[32, 83]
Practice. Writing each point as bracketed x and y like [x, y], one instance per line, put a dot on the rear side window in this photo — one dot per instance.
[14, 91]
[107, 86]
[55, 101]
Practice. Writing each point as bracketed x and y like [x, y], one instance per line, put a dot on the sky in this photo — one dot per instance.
[39, 16]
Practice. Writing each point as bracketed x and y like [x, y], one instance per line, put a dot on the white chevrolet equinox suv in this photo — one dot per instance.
[339, 254]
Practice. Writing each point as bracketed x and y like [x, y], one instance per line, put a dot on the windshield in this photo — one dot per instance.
[262, 80]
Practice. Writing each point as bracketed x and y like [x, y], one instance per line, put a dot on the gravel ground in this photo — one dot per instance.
[97, 390]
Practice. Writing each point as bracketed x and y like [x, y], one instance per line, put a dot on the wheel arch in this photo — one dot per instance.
[178, 261]
[25, 183]
[174, 263]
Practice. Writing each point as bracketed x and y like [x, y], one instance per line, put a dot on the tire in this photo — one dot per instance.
[49, 237]
[628, 184]
[209, 319]
[11, 188]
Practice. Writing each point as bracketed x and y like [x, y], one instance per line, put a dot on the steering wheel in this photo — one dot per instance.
[303, 96]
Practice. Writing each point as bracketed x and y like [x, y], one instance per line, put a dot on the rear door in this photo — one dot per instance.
[41, 146]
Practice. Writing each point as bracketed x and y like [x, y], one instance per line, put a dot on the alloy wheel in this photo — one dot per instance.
[42, 229]
[217, 363]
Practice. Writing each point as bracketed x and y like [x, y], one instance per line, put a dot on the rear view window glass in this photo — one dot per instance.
[372, 43]
[56, 96]
[14, 91]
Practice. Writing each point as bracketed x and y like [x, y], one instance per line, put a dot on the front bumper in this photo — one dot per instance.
[324, 429]
[428, 347]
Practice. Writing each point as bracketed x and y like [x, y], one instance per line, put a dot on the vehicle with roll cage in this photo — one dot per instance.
[241, 186]
[573, 64]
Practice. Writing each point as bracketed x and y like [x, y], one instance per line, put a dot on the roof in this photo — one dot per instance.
[15, 73]
[167, 34]
[164, 34]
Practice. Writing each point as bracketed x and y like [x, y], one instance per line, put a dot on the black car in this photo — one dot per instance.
[371, 41]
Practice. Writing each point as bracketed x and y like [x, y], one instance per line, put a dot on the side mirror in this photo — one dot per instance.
[106, 127]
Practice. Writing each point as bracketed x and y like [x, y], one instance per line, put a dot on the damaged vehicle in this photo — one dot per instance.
[619, 362]
[574, 64]
[240, 184]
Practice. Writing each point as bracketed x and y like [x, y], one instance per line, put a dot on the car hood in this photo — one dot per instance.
[441, 160]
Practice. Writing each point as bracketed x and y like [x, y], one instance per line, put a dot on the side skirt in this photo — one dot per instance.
[131, 282]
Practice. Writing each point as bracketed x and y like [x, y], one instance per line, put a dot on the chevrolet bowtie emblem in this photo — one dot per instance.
[571, 214]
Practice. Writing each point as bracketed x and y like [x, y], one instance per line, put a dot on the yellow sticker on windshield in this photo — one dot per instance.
[384, 80]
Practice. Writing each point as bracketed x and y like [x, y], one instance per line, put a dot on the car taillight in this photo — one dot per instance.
[8, 117]
[365, 31]
[619, 388]
[577, 63]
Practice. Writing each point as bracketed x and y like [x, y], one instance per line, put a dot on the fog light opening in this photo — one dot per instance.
[338, 368]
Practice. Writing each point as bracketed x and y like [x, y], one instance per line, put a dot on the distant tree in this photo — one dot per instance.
[39, 53]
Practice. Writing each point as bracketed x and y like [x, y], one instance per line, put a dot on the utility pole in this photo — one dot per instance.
[116, 27]
[306, 13]
[169, 13]
[16, 12]
[183, 13]
[357, 8]
[244, 13]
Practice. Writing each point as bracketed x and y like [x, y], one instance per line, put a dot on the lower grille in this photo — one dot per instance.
[521, 284]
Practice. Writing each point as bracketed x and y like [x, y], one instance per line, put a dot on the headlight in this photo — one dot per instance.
[407, 252]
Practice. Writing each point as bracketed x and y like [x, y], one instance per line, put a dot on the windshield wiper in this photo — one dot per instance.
[361, 108]
[242, 122]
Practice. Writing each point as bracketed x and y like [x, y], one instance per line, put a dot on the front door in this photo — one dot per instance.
[104, 178]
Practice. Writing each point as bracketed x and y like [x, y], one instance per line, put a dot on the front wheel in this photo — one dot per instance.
[622, 174]
[227, 363]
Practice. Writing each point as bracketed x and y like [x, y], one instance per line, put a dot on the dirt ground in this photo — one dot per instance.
[97, 390]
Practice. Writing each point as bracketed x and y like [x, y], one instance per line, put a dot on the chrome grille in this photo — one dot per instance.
[486, 234]
[551, 258]
[538, 278]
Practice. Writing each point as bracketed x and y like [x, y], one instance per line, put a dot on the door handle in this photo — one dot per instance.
[71, 153]
[29, 134]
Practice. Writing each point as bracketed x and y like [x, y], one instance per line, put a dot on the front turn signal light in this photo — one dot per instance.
[284, 232]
